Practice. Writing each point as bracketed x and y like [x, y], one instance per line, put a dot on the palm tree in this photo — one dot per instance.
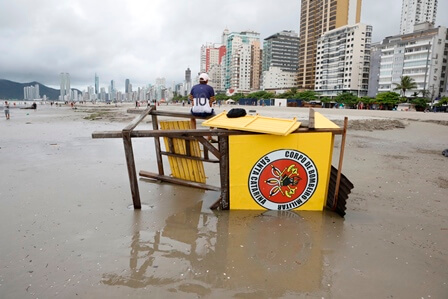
[406, 83]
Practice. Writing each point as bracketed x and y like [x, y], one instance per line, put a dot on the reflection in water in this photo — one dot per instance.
[244, 252]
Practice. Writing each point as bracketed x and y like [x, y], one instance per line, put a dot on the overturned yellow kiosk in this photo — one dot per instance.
[265, 163]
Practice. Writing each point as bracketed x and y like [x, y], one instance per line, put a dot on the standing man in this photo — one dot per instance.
[202, 97]
[6, 108]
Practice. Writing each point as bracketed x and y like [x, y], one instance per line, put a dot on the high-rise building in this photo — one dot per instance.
[112, 92]
[74, 95]
[187, 82]
[97, 84]
[414, 12]
[281, 49]
[343, 60]
[211, 59]
[159, 88]
[31, 92]
[103, 94]
[280, 60]
[65, 87]
[242, 62]
[316, 18]
[420, 55]
[126, 86]
[91, 96]
[211, 54]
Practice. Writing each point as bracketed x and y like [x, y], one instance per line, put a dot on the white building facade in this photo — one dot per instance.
[277, 79]
[343, 60]
[421, 55]
[414, 12]
[212, 56]
[242, 62]
[31, 92]
[65, 87]
[280, 61]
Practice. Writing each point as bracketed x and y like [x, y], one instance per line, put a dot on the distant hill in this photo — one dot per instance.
[10, 90]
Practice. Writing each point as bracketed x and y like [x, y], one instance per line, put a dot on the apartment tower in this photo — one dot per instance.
[280, 60]
[343, 60]
[242, 62]
[97, 84]
[420, 55]
[316, 18]
[65, 87]
[212, 56]
[414, 12]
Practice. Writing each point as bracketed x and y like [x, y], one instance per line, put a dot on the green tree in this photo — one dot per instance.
[442, 101]
[406, 83]
[221, 97]
[256, 95]
[368, 100]
[268, 95]
[237, 96]
[307, 95]
[388, 99]
[325, 100]
[420, 104]
[288, 94]
[262, 94]
[347, 98]
[178, 98]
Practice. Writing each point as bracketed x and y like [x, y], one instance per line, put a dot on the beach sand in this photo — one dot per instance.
[68, 229]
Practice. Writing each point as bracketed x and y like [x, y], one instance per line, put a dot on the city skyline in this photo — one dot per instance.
[145, 40]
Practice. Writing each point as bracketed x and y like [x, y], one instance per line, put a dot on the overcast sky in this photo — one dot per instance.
[144, 39]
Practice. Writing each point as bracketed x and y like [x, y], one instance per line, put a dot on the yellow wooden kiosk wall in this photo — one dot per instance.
[267, 151]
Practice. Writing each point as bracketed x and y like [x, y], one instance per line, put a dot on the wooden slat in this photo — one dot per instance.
[223, 142]
[194, 133]
[129, 153]
[311, 119]
[179, 149]
[209, 146]
[165, 178]
[187, 147]
[192, 165]
[138, 119]
[170, 147]
[168, 113]
[189, 157]
[155, 127]
[193, 147]
[341, 158]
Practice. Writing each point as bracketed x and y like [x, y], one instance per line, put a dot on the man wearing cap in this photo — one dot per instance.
[202, 97]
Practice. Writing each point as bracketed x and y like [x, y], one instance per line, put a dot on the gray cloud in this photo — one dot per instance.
[142, 40]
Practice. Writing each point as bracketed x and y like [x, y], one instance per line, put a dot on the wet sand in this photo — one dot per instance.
[68, 231]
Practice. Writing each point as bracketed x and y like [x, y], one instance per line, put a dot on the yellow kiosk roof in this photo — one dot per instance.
[254, 123]
[321, 122]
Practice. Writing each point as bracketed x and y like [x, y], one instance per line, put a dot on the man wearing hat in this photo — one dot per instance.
[202, 97]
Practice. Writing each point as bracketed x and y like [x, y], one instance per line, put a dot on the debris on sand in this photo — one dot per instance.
[373, 124]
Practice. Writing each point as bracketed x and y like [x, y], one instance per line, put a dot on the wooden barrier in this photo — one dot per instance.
[178, 143]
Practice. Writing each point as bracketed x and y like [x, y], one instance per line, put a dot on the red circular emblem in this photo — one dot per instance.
[283, 180]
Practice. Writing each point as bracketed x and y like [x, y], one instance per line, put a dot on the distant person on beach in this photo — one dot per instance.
[7, 110]
[202, 97]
